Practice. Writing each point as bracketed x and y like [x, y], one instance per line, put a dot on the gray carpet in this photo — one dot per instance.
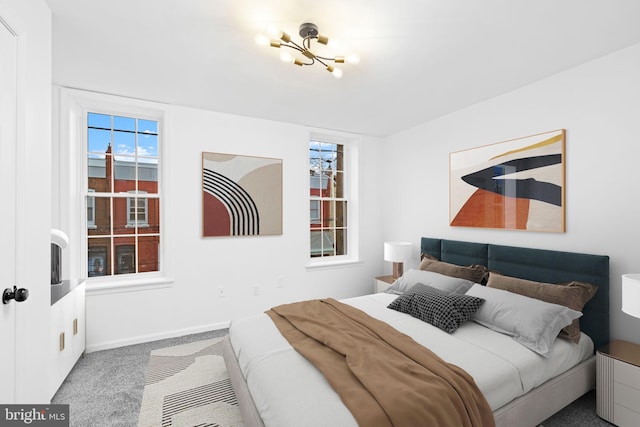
[105, 388]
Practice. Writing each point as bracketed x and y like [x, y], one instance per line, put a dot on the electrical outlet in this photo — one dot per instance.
[255, 290]
[221, 293]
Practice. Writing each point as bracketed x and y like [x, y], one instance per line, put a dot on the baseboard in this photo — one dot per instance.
[90, 348]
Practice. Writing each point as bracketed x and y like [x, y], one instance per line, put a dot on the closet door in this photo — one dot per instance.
[8, 100]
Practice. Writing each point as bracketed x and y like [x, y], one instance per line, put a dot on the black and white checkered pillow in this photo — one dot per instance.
[443, 310]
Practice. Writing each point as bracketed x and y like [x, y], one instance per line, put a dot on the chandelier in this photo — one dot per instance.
[307, 56]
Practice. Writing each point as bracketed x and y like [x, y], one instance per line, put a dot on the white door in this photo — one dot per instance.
[8, 99]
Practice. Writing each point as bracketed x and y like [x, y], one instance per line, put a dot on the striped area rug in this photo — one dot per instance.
[188, 385]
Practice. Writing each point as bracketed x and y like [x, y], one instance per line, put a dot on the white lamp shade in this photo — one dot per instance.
[631, 294]
[397, 251]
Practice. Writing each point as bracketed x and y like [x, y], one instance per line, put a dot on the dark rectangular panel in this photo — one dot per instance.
[464, 253]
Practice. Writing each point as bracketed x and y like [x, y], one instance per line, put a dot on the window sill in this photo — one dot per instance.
[114, 285]
[318, 265]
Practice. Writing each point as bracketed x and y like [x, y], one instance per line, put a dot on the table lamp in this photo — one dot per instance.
[631, 294]
[397, 253]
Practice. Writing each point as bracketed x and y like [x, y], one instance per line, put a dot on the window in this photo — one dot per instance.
[328, 199]
[97, 260]
[123, 199]
[91, 209]
[137, 210]
[315, 212]
[111, 167]
[126, 259]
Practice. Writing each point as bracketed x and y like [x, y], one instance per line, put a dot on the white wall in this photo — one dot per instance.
[403, 195]
[599, 105]
[199, 265]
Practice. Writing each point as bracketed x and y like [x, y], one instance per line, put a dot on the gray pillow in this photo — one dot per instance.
[573, 295]
[531, 322]
[438, 308]
[439, 281]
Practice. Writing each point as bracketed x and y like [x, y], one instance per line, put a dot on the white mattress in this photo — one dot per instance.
[286, 388]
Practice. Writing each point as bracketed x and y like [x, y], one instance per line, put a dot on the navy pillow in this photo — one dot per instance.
[441, 309]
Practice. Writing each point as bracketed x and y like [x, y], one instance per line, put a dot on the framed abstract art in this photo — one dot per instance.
[241, 195]
[516, 185]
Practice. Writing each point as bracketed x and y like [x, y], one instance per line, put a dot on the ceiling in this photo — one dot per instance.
[420, 59]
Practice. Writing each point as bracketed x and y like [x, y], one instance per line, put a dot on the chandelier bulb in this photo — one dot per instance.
[273, 31]
[262, 40]
[337, 73]
[353, 59]
[286, 57]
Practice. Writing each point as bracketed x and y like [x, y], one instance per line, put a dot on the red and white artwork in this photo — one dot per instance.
[241, 195]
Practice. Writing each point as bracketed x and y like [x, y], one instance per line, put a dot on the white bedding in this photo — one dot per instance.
[286, 388]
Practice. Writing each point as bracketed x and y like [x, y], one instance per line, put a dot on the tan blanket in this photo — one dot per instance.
[384, 377]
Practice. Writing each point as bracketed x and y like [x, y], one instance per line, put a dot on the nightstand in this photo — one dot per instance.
[382, 283]
[618, 383]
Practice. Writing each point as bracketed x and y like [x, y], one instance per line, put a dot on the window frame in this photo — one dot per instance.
[350, 145]
[75, 105]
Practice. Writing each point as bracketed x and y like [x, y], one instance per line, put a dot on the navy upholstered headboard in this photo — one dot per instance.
[539, 265]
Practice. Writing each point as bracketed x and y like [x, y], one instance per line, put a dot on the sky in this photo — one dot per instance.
[125, 138]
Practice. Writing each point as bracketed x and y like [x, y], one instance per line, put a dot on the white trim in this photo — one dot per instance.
[127, 283]
[332, 263]
[159, 336]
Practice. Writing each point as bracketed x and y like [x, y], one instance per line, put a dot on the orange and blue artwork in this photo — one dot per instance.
[516, 185]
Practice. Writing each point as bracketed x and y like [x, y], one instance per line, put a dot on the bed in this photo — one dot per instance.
[277, 386]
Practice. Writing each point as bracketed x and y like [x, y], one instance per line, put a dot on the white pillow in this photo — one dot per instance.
[436, 280]
[531, 322]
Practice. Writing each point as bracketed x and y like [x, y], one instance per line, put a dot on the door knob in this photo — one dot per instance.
[18, 294]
